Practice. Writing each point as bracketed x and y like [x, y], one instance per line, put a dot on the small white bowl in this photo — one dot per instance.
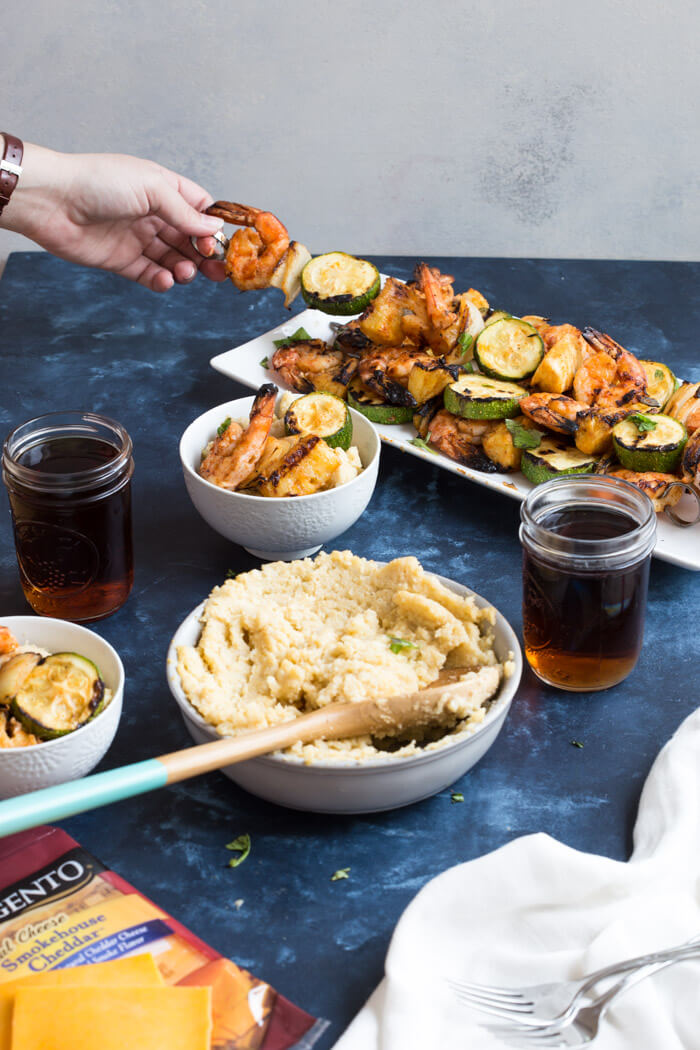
[277, 529]
[351, 786]
[75, 754]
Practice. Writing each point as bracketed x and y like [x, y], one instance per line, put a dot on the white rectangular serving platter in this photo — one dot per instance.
[674, 544]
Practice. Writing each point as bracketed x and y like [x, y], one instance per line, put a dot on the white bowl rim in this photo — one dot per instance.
[47, 744]
[228, 406]
[498, 707]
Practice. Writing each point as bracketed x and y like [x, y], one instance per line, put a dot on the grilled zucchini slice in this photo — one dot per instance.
[552, 458]
[480, 397]
[62, 693]
[661, 382]
[375, 410]
[652, 443]
[509, 348]
[13, 673]
[322, 414]
[338, 283]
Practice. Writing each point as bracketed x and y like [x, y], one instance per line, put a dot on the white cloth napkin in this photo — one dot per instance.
[536, 910]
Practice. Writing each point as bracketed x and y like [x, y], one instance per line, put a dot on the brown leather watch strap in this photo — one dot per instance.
[10, 167]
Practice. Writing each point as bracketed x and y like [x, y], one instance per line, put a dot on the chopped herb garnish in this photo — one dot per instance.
[420, 443]
[265, 363]
[468, 367]
[658, 373]
[223, 427]
[523, 437]
[397, 645]
[231, 574]
[457, 796]
[465, 342]
[643, 423]
[576, 743]
[296, 337]
[341, 873]
[240, 845]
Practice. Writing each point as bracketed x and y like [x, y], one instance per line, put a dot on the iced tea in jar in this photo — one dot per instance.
[68, 477]
[587, 543]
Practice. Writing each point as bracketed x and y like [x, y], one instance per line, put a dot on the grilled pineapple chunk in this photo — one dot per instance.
[498, 446]
[427, 379]
[294, 466]
[593, 435]
[559, 365]
[381, 321]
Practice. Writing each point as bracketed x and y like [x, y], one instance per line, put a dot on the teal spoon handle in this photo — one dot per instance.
[64, 800]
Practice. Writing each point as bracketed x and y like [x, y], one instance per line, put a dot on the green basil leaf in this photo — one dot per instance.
[642, 422]
[397, 645]
[523, 437]
[420, 443]
[240, 845]
[265, 363]
[465, 341]
[296, 337]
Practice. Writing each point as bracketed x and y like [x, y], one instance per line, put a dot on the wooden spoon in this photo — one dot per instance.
[436, 704]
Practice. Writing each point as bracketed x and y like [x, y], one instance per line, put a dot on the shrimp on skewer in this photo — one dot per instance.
[612, 377]
[254, 252]
[311, 365]
[458, 438]
[385, 370]
[555, 411]
[236, 452]
[8, 642]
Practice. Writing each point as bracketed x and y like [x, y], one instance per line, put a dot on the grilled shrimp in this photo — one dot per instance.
[555, 411]
[313, 365]
[234, 454]
[254, 252]
[8, 642]
[612, 377]
[385, 371]
[458, 438]
[448, 315]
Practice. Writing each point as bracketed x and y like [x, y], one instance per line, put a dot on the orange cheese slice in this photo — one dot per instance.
[111, 1019]
[135, 970]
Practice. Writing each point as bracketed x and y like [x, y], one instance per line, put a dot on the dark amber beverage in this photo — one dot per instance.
[68, 477]
[586, 553]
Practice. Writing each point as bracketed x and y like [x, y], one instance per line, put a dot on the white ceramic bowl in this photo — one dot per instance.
[288, 527]
[352, 786]
[55, 761]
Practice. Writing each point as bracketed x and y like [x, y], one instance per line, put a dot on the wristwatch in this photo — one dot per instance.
[10, 167]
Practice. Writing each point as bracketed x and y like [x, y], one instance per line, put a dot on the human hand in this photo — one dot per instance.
[115, 212]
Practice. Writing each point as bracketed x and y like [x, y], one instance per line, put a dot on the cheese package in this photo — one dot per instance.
[60, 908]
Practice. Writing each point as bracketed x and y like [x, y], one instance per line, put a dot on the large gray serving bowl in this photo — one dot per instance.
[352, 786]
[277, 529]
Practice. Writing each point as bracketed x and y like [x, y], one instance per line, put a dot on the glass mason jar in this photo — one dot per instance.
[587, 543]
[68, 477]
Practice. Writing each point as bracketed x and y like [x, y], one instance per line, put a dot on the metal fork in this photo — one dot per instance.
[581, 1025]
[544, 1003]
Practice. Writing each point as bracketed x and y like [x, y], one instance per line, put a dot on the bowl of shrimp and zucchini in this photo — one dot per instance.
[280, 475]
[499, 393]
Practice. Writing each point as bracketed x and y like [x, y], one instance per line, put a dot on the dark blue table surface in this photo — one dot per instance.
[75, 338]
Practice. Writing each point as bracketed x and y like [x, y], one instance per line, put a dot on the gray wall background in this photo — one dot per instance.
[505, 128]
